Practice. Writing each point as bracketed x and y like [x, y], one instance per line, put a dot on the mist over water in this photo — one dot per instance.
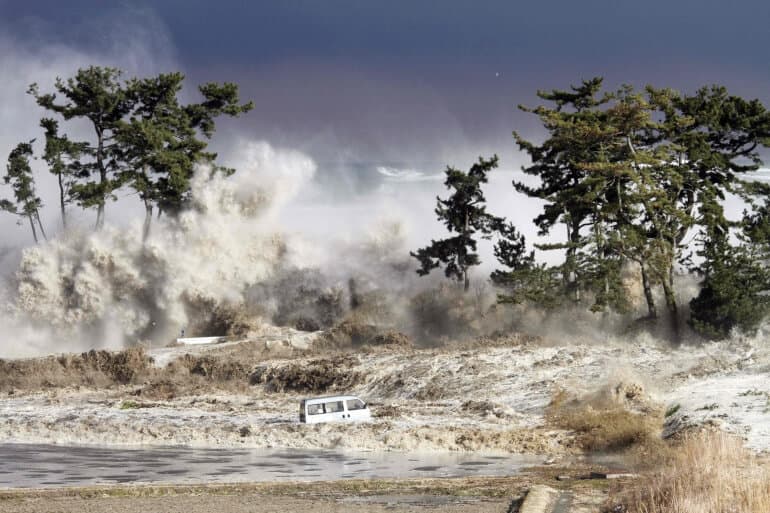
[266, 246]
[107, 288]
[334, 218]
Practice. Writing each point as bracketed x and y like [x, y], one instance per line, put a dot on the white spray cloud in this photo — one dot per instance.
[107, 288]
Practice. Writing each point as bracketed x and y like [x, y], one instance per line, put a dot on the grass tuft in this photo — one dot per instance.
[709, 472]
[604, 425]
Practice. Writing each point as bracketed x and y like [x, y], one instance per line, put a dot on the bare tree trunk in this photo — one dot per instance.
[466, 278]
[673, 309]
[147, 220]
[37, 216]
[99, 217]
[61, 204]
[32, 225]
[102, 178]
[574, 238]
[651, 308]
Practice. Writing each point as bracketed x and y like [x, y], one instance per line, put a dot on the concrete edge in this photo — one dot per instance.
[539, 499]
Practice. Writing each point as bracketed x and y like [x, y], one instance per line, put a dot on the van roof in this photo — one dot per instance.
[328, 398]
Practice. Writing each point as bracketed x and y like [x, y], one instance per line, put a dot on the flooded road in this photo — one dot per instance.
[35, 466]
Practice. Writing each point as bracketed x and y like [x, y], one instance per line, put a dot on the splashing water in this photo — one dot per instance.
[108, 289]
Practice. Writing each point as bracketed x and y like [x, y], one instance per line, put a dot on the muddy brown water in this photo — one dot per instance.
[41, 466]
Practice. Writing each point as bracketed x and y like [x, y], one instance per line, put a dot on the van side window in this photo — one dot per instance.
[334, 406]
[356, 404]
[315, 409]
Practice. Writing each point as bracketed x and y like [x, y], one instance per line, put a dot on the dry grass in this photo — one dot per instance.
[708, 472]
[602, 425]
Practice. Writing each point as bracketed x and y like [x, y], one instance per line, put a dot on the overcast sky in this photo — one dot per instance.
[417, 78]
[410, 84]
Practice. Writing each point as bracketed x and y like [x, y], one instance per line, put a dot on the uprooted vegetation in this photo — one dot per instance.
[614, 419]
[315, 376]
[354, 334]
[446, 313]
[705, 472]
[214, 368]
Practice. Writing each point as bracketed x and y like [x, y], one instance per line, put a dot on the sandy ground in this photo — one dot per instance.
[254, 504]
[474, 495]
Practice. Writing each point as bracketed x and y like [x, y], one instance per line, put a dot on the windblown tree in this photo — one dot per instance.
[523, 279]
[143, 136]
[735, 286]
[163, 139]
[572, 121]
[98, 96]
[19, 176]
[735, 291]
[643, 212]
[575, 197]
[632, 175]
[464, 214]
[717, 137]
[62, 157]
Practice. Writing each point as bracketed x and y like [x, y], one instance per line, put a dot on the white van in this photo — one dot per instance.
[338, 408]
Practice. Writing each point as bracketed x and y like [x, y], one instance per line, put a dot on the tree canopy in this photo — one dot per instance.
[464, 214]
[19, 176]
[144, 137]
[632, 175]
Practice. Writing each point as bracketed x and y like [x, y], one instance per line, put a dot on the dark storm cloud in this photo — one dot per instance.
[359, 82]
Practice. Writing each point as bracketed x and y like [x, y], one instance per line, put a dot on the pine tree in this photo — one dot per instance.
[574, 125]
[62, 157]
[523, 279]
[464, 214]
[161, 143]
[632, 174]
[735, 286]
[96, 95]
[143, 137]
[19, 176]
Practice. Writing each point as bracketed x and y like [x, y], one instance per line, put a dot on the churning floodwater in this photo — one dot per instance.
[34, 466]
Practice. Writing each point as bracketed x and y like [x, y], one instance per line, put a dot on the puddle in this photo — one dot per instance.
[32, 466]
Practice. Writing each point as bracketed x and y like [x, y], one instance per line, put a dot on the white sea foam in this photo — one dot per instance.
[108, 288]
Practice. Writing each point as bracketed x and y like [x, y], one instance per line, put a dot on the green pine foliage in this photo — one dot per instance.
[631, 176]
[63, 159]
[465, 216]
[523, 280]
[734, 295]
[144, 137]
[630, 180]
[19, 176]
